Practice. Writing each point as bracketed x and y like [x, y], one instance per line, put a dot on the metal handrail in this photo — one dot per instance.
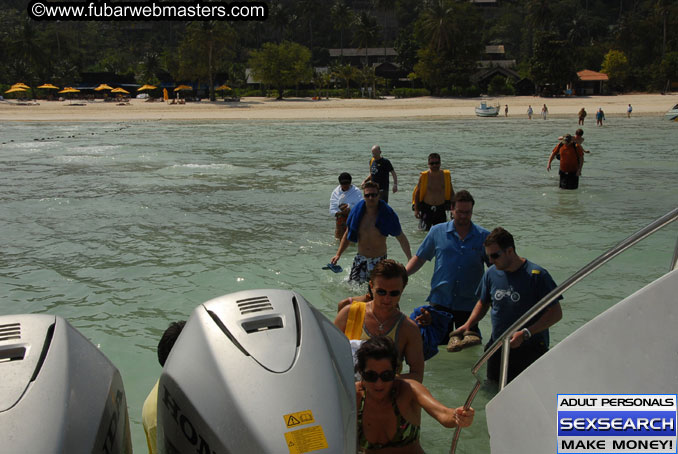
[505, 339]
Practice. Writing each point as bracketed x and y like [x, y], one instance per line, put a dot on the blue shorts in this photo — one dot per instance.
[362, 267]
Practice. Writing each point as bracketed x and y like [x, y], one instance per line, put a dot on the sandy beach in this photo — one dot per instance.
[329, 109]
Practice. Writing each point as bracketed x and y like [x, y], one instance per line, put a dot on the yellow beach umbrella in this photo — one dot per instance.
[183, 87]
[119, 90]
[103, 87]
[223, 87]
[15, 90]
[69, 90]
[21, 85]
[146, 87]
[49, 86]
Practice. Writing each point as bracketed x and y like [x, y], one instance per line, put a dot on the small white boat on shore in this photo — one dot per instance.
[483, 110]
[672, 114]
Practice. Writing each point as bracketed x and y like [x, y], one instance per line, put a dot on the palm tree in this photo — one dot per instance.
[663, 10]
[343, 18]
[346, 73]
[369, 78]
[385, 6]
[366, 32]
[150, 66]
[539, 14]
[208, 40]
[437, 21]
[27, 54]
[278, 20]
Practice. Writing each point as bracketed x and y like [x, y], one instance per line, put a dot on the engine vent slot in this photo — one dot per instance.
[252, 305]
[10, 331]
[263, 324]
[12, 353]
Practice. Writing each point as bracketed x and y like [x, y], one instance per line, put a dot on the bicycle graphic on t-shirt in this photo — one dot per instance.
[512, 294]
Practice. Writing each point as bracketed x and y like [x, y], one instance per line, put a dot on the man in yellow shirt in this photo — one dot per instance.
[149, 412]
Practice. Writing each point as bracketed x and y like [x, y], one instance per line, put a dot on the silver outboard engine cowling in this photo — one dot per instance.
[58, 392]
[258, 371]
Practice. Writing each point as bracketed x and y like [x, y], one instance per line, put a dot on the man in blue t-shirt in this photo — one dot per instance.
[510, 288]
[460, 261]
[380, 167]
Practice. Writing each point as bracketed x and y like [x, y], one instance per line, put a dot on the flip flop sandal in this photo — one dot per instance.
[454, 344]
[470, 339]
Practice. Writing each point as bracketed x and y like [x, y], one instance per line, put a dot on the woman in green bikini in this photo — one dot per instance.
[389, 408]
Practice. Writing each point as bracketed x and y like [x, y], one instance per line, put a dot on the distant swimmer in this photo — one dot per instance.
[529, 112]
[578, 138]
[600, 116]
[433, 194]
[544, 112]
[629, 109]
[380, 168]
[582, 115]
[506, 110]
[368, 224]
[343, 198]
[571, 162]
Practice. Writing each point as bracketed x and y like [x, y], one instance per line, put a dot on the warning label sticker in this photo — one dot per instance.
[306, 440]
[299, 418]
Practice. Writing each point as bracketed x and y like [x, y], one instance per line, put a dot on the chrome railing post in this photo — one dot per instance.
[503, 373]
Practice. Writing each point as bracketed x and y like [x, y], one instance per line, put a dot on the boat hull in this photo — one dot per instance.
[487, 112]
[608, 355]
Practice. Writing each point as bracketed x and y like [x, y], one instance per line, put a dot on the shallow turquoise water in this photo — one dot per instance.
[122, 228]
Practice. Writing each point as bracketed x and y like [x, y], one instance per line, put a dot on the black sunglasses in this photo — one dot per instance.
[369, 195]
[434, 163]
[345, 182]
[372, 376]
[382, 292]
[496, 255]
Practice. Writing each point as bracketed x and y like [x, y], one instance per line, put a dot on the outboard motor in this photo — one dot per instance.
[58, 392]
[258, 371]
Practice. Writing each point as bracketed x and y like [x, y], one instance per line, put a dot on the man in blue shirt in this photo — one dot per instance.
[510, 288]
[457, 246]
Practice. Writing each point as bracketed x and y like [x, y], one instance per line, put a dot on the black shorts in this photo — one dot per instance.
[568, 180]
[519, 359]
[432, 214]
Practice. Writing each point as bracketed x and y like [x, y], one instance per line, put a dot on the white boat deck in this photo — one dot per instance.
[632, 348]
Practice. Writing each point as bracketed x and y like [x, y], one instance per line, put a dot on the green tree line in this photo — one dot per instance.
[438, 43]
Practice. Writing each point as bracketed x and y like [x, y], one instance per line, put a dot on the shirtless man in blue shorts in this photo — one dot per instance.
[368, 224]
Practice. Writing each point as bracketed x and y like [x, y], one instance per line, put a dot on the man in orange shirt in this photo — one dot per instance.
[571, 156]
